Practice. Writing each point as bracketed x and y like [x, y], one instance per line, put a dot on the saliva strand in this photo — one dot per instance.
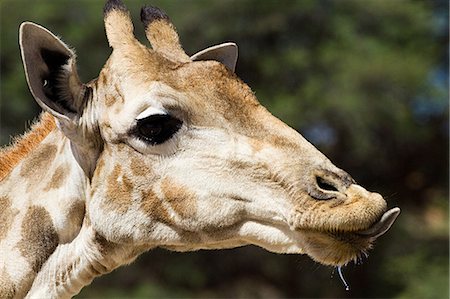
[347, 287]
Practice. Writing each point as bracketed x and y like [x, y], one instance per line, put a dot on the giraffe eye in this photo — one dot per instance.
[156, 129]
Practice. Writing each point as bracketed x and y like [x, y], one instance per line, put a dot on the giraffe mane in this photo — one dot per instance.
[22, 145]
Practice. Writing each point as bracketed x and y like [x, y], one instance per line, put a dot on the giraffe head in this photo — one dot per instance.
[179, 153]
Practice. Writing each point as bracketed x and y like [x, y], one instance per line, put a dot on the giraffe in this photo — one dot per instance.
[161, 150]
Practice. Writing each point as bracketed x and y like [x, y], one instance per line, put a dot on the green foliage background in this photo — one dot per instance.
[365, 81]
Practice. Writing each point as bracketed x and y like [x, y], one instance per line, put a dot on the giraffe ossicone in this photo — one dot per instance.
[166, 150]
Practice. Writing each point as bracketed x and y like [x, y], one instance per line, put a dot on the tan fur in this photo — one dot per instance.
[10, 156]
[181, 199]
[138, 169]
[119, 28]
[164, 39]
[119, 192]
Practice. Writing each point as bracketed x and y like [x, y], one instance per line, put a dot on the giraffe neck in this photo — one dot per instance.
[42, 205]
[73, 266]
[11, 155]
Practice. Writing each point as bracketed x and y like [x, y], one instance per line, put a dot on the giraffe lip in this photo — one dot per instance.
[382, 226]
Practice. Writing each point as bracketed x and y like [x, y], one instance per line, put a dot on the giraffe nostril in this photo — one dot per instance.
[329, 184]
[324, 189]
[325, 184]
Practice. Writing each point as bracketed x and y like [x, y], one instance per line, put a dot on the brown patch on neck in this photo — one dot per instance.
[58, 177]
[37, 164]
[39, 237]
[11, 155]
[7, 286]
[7, 214]
[76, 213]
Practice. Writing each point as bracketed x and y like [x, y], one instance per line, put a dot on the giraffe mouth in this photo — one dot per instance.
[374, 231]
[380, 227]
[338, 247]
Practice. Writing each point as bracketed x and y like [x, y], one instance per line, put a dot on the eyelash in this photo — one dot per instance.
[156, 129]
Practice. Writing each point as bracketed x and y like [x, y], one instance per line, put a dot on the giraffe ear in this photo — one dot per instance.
[50, 69]
[226, 53]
